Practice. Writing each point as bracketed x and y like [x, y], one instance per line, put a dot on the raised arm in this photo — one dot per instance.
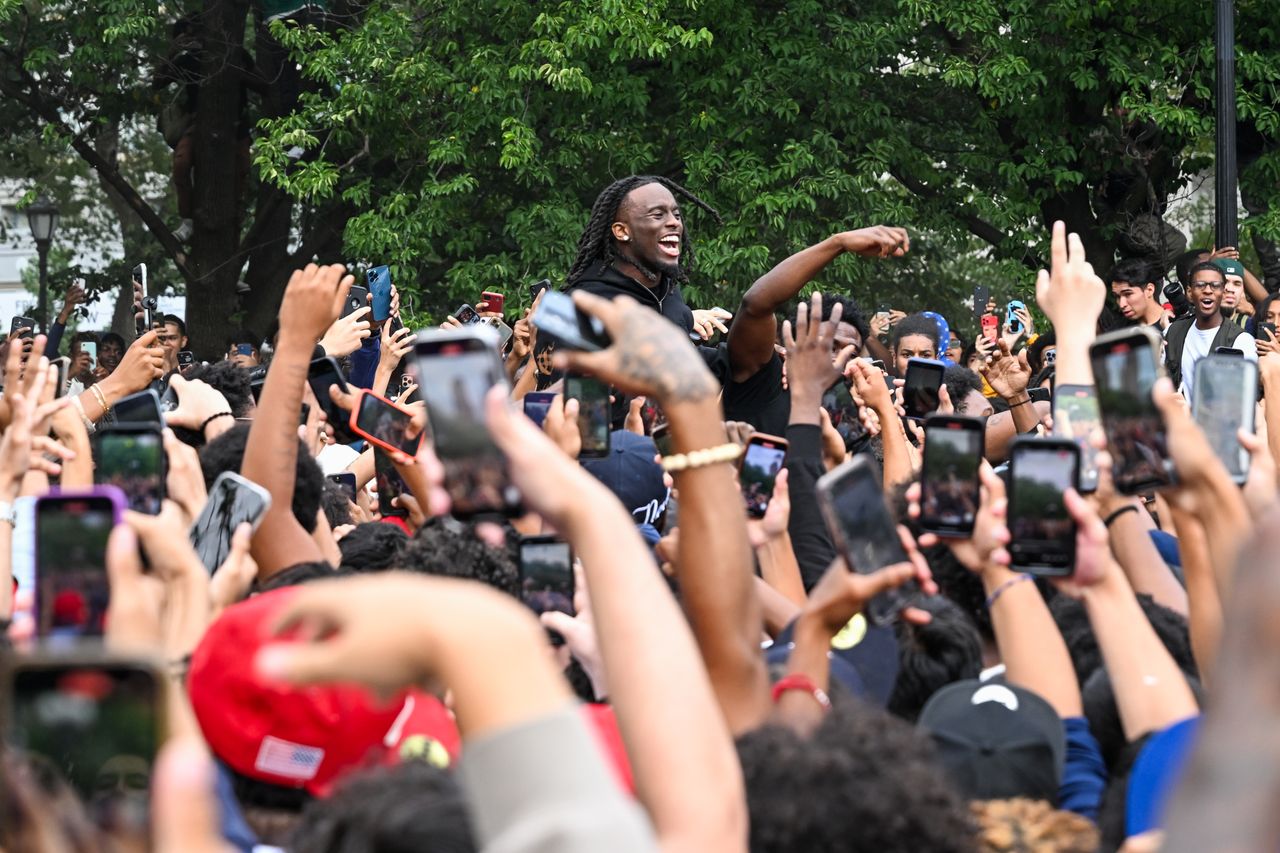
[312, 299]
[754, 330]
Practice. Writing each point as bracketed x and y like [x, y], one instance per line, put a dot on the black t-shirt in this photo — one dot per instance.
[759, 400]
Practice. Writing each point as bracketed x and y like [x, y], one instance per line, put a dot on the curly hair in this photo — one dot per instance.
[931, 656]
[915, 324]
[446, 548]
[596, 245]
[1021, 825]
[230, 380]
[862, 782]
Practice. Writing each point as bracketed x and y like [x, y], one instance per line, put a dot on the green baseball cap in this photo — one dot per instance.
[1230, 266]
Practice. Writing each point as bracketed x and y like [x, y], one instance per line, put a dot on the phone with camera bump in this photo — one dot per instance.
[981, 296]
[559, 319]
[140, 408]
[1076, 417]
[186, 358]
[27, 324]
[949, 482]
[537, 287]
[537, 404]
[379, 281]
[762, 459]
[139, 284]
[920, 387]
[390, 485]
[131, 458]
[71, 589]
[864, 532]
[494, 302]
[1125, 367]
[381, 422]
[990, 327]
[233, 500]
[1011, 319]
[94, 722]
[845, 414]
[322, 374]
[466, 315]
[1042, 532]
[346, 481]
[357, 298]
[504, 331]
[455, 369]
[595, 414]
[546, 577]
[1223, 402]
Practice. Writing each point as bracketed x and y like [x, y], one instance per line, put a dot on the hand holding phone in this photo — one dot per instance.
[1223, 403]
[1125, 367]
[494, 302]
[379, 281]
[131, 457]
[536, 405]
[466, 315]
[71, 589]
[758, 471]
[1043, 533]
[321, 375]
[233, 500]
[920, 389]
[384, 424]
[560, 320]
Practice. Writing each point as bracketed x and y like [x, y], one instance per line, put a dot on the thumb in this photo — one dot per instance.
[562, 623]
[124, 564]
[178, 382]
[297, 662]
[184, 811]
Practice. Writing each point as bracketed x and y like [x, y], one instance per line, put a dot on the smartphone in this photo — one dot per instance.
[949, 484]
[255, 387]
[1125, 366]
[651, 414]
[71, 589]
[495, 301]
[1043, 534]
[90, 348]
[379, 281]
[1270, 328]
[1231, 351]
[95, 722]
[661, 436]
[454, 370]
[758, 471]
[390, 484]
[347, 482]
[1011, 319]
[504, 331]
[1223, 401]
[61, 367]
[920, 387]
[186, 358]
[546, 577]
[131, 457]
[561, 320]
[28, 324]
[990, 327]
[1040, 394]
[844, 413]
[323, 373]
[140, 408]
[536, 405]
[537, 287]
[864, 532]
[466, 315]
[380, 421]
[357, 298]
[140, 292]
[1075, 417]
[233, 500]
[981, 296]
[595, 414]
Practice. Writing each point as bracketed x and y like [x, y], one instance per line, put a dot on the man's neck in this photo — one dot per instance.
[638, 273]
[1205, 323]
[1153, 314]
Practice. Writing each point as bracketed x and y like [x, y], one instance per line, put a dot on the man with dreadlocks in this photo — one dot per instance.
[635, 243]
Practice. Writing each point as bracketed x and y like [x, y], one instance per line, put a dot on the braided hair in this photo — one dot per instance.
[596, 243]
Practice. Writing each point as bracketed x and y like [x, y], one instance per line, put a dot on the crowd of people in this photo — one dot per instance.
[416, 662]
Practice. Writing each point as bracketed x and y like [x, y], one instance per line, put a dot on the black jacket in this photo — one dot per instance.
[1175, 338]
[666, 298]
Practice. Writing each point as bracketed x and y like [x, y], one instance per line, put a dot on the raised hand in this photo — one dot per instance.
[346, 334]
[1070, 293]
[313, 299]
[877, 241]
[811, 370]
[1007, 374]
[143, 363]
[706, 321]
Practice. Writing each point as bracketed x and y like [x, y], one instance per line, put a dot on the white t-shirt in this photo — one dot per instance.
[1197, 346]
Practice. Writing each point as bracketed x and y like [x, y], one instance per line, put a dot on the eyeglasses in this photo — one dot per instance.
[1208, 285]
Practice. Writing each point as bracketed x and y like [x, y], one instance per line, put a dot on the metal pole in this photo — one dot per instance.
[42, 312]
[1226, 230]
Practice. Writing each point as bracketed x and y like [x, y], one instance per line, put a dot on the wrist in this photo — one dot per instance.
[294, 341]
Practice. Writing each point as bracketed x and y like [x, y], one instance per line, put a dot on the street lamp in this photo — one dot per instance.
[42, 219]
[1226, 231]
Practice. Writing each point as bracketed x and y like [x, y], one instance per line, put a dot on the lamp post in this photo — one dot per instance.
[42, 219]
[1226, 232]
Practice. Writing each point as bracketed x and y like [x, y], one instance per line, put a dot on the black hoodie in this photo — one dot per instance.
[666, 299]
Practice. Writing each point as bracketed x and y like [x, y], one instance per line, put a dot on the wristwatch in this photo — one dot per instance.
[8, 513]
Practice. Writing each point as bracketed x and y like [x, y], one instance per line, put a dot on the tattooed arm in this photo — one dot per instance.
[312, 300]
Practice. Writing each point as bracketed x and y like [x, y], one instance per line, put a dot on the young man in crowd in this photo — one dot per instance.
[1192, 338]
[173, 338]
[1135, 286]
[422, 703]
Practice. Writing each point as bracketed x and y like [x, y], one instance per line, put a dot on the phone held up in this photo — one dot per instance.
[560, 319]
[546, 577]
[71, 590]
[379, 281]
[595, 420]
[864, 533]
[233, 500]
[921, 387]
[1043, 533]
[384, 424]
[1075, 417]
[949, 482]
[1125, 367]
[1223, 402]
[131, 458]
[758, 471]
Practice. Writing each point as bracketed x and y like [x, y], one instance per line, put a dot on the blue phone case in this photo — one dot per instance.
[1010, 319]
[379, 279]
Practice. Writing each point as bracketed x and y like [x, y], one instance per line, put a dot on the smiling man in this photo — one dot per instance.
[636, 243]
[1192, 338]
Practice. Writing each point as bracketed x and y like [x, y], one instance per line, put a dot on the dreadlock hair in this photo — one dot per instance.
[596, 243]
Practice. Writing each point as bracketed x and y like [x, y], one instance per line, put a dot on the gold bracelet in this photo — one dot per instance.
[100, 397]
[702, 458]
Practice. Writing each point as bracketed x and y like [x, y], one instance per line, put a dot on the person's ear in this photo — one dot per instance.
[621, 232]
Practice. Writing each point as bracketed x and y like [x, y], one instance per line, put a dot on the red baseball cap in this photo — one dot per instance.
[302, 737]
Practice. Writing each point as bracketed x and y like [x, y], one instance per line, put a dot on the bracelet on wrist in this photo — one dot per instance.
[1121, 511]
[727, 452]
[1020, 402]
[213, 418]
[802, 682]
[999, 591]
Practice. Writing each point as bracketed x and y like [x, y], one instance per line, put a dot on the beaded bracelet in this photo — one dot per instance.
[701, 458]
[999, 591]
